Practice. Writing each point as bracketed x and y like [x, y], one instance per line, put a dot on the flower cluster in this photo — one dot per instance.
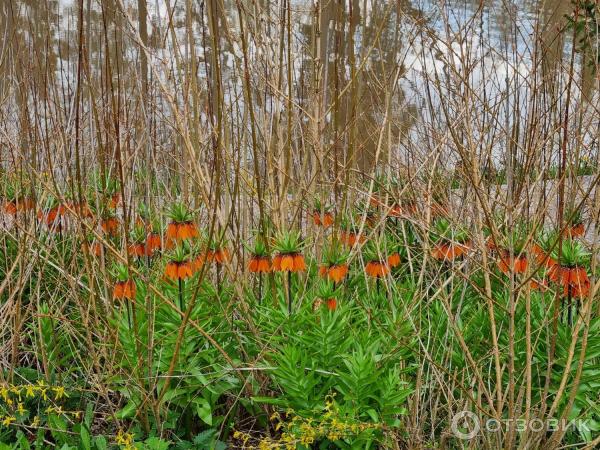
[14, 399]
[307, 431]
[125, 440]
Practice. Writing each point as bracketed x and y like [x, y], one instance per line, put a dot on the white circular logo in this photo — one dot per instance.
[465, 420]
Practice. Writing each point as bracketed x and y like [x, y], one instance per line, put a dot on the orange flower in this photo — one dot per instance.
[338, 272]
[289, 262]
[395, 211]
[578, 275]
[541, 258]
[152, 243]
[178, 270]
[110, 225]
[579, 290]
[259, 264]
[335, 273]
[172, 231]
[97, 249]
[349, 238]
[124, 289]
[538, 285]
[51, 216]
[197, 263]
[394, 260]
[575, 281]
[182, 230]
[10, 207]
[221, 256]
[325, 219]
[449, 252]
[538, 251]
[440, 251]
[299, 263]
[574, 230]
[114, 200]
[558, 274]
[517, 265]
[138, 249]
[169, 243]
[490, 244]
[331, 304]
[377, 269]
[118, 290]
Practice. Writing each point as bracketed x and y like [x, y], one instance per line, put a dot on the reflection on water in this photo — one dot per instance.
[363, 63]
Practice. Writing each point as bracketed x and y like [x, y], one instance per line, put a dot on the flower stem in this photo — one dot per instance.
[569, 309]
[180, 281]
[289, 276]
[259, 288]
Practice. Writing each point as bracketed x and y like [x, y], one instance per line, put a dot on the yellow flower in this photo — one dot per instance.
[4, 393]
[125, 439]
[8, 420]
[36, 422]
[16, 390]
[59, 392]
[30, 391]
[21, 409]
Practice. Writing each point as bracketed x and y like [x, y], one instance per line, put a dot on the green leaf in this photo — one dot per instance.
[22, 440]
[270, 401]
[204, 411]
[84, 434]
[100, 443]
[127, 411]
[373, 414]
[155, 443]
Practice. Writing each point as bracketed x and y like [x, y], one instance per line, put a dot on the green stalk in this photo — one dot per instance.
[180, 283]
[289, 279]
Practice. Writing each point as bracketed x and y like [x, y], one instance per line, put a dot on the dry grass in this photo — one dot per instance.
[251, 113]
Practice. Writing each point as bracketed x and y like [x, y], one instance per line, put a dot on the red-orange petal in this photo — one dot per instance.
[171, 270]
[394, 260]
[327, 220]
[331, 304]
[172, 229]
[316, 218]
[264, 265]
[118, 290]
[10, 208]
[287, 263]
[253, 265]
[299, 263]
